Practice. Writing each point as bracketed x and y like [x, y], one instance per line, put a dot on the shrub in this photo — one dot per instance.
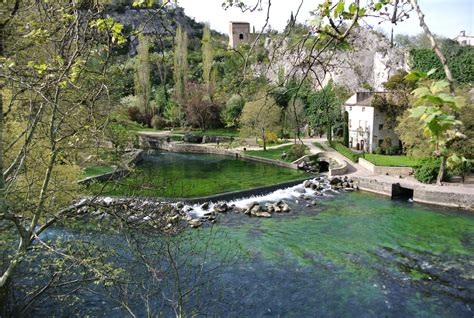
[296, 151]
[271, 137]
[462, 169]
[428, 169]
[378, 151]
[387, 143]
[392, 150]
[134, 114]
[158, 122]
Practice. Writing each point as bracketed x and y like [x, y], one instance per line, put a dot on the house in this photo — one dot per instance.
[464, 39]
[367, 126]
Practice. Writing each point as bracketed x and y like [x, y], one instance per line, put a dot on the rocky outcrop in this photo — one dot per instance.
[366, 65]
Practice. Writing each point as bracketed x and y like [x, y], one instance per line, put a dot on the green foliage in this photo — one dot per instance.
[415, 142]
[173, 114]
[180, 63]
[392, 161]
[459, 58]
[142, 79]
[207, 57]
[345, 134]
[158, 122]
[296, 151]
[260, 116]
[427, 170]
[346, 152]
[324, 109]
[232, 111]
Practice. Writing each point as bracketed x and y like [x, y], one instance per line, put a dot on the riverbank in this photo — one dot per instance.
[449, 195]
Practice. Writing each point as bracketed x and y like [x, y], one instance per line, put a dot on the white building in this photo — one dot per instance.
[367, 126]
[464, 39]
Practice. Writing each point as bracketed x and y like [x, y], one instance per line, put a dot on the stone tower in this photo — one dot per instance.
[239, 32]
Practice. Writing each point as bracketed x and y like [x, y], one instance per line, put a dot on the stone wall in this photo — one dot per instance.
[130, 160]
[397, 171]
[421, 193]
[148, 142]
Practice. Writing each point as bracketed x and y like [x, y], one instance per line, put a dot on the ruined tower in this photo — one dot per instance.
[239, 32]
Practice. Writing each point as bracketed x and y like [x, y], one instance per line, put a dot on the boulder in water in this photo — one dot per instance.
[194, 223]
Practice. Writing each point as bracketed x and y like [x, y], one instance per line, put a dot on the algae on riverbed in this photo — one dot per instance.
[195, 175]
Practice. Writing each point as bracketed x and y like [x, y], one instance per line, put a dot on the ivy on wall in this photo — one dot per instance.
[460, 61]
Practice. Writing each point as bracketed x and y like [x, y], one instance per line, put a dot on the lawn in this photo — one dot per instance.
[274, 154]
[345, 151]
[96, 170]
[392, 161]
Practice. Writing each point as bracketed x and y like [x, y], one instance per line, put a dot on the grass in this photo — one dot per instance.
[320, 146]
[176, 175]
[274, 154]
[392, 161]
[346, 152]
[96, 170]
[378, 160]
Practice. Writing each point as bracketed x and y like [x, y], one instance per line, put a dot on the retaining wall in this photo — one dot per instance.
[152, 143]
[421, 193]
[398, 171]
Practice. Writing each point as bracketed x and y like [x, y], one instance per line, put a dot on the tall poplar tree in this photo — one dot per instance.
[180, 63]
[207, 57]
[142, 77]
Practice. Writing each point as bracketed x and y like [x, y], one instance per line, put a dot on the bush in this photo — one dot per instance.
[461, 170]
[428, 169]
[386, 144]
[134, 114]
[378, 151]
[392, 150]
[271, 137]
[296, 151]
[158, 122]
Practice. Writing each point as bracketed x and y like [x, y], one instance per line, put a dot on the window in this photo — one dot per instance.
[363, 109]
[350, 108]
[380, 142]
[241, 36]
[380, 126]
[350, 123]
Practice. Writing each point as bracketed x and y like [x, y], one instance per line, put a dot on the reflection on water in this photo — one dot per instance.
[352, 255]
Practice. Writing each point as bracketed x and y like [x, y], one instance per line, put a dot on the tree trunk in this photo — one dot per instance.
[329, 133]
[264, 140]
[434, 45]
[442, 169]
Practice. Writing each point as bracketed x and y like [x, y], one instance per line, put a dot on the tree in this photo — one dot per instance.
[324, 109]
[55, 61]
[142, 79]
[433, 102]
[233, 108]
[410, 132]
[207, 57]
[180, 64]
[345, 133]
[200, 110]
[259, 117]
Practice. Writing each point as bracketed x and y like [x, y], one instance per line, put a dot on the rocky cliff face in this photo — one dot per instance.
[365, 66]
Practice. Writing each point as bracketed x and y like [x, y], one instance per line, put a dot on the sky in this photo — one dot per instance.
[444, 17]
